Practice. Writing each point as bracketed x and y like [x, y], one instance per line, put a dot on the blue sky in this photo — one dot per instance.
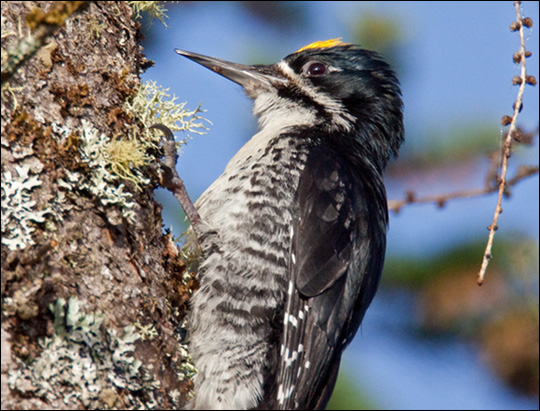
[456, 71]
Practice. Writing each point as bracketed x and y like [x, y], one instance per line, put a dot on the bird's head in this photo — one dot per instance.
[348, 93]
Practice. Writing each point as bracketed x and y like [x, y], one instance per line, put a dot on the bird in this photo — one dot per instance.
[295, 228]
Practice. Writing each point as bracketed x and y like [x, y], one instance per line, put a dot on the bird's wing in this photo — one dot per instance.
[336, 254]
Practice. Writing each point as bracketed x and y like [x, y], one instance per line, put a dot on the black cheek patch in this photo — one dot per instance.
[296, 96]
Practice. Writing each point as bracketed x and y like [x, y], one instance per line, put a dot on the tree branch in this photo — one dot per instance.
[519, 57]
[441, 199]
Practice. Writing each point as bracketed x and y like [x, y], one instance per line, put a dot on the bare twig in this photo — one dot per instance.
[206, 236]
[522, 80]
[491, 179]
[441, 199]
[494, 181]
[172, 181]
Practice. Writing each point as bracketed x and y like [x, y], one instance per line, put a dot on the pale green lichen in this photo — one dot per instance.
[82, 361]
[154, 9]
[107, 166]
[20, 213]
[96, 27]
[147, 332]
[103, 155]
[126, 156]
[174, 396]
[186, 369]
[123, 157]
[153, 104]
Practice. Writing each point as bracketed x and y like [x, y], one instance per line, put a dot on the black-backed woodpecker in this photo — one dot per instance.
[298, 221]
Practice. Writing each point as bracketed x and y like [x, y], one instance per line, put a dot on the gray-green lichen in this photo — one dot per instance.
[102, 181]
[83, 361]
[153, 104]
[154, 9]
[187, 368]
[147, 332]
[20, 212]
[123, 157]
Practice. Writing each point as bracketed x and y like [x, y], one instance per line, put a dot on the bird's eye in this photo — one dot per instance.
[315, 69]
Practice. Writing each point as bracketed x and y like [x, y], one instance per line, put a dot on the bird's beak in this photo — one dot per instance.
[251, 78]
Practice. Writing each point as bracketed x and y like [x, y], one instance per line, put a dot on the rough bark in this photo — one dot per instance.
[92, 301]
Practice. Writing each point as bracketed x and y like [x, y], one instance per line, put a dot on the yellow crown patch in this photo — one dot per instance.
[323, 44]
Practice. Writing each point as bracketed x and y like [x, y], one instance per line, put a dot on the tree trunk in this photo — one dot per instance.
[93, 294]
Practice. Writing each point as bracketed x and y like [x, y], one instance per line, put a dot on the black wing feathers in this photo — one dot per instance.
[323, 231]
[336, 258]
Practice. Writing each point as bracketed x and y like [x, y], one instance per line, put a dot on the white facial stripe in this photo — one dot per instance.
[287, 70]
[276, 112]
[340, 117]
